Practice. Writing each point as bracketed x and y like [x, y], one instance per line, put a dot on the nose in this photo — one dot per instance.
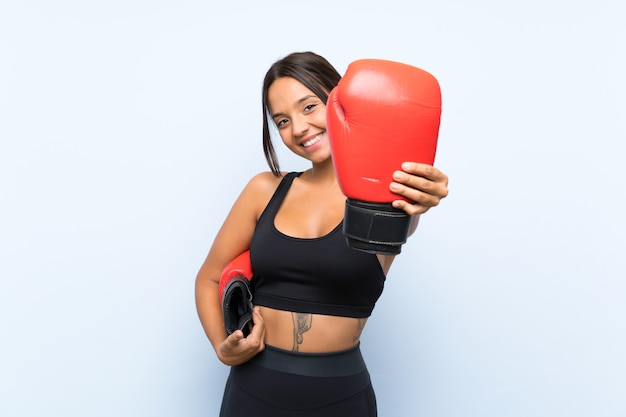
[300, 125]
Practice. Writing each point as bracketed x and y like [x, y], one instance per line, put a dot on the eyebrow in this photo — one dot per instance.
[303, 99]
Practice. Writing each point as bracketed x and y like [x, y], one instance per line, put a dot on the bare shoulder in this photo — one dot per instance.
[260, 189]
[264, 182]
[238, 228]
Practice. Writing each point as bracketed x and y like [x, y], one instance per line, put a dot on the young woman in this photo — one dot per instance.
[302, 356]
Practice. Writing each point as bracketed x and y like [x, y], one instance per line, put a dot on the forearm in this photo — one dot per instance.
[210, 311]
[414, 222]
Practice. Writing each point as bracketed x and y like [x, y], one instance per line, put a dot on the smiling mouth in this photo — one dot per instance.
[312, 141]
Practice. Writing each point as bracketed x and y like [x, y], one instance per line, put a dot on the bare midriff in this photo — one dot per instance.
[305, 332]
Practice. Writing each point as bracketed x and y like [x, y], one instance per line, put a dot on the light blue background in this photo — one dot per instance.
[128, 128]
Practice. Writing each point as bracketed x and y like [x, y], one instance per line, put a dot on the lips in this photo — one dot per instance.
[313, 141]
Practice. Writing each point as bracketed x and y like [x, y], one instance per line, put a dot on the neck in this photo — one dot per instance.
[323, 172]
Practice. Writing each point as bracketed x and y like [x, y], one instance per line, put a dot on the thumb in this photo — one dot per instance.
[234, 339]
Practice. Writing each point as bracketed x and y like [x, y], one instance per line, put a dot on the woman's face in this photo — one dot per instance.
[300, 117]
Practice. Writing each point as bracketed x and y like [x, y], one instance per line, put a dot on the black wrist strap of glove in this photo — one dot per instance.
[375, 227]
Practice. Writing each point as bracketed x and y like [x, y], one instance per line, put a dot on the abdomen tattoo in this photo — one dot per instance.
[301, 324]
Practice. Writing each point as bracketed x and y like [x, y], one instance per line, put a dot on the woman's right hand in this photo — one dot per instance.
[236, 349]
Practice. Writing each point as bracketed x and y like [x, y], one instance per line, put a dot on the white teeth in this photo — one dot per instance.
[312, 141]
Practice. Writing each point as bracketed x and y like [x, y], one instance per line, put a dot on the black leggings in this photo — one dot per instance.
[280, 383]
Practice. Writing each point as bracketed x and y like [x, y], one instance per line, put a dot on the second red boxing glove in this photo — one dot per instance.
[380, 114]
[236, 294]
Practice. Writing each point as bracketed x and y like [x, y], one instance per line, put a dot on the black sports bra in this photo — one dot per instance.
[319, 275]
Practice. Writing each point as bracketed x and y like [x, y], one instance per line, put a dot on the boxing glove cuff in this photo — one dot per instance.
[375, 227]
[237, 306]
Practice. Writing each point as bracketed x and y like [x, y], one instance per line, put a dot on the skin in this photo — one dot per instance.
[301, 119]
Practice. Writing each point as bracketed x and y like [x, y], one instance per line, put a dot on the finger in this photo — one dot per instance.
[256, 316]
[230, 345]
[256, 337]
[429, 197]
[414, 187]
[424, 170]
[410, 209]
[423, 177]
[419, 202]
[404, 181]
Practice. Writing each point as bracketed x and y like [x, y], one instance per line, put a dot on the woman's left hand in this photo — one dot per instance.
[423, 184]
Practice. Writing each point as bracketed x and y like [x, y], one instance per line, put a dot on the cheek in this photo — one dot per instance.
[321, 118]
[285, 136]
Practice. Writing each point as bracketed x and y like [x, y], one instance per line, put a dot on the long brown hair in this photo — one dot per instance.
[313, 71]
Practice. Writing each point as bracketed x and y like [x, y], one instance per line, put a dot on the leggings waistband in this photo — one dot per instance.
[325, 364]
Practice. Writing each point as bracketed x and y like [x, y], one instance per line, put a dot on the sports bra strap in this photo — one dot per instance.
[279, 195]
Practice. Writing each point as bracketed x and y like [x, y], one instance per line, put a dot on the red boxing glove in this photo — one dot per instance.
[381, 114]
[236, 294]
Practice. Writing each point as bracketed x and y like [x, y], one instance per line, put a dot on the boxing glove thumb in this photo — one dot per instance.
[236, 294]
